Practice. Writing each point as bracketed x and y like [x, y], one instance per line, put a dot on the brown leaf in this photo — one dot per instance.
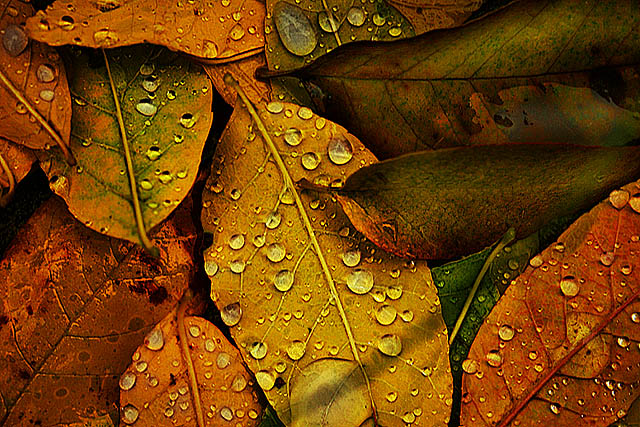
[75, 305]
[561, 346]
[156, 389]
[35, 72]
[18, 160]
[322, 318]
[243, 71]
[221, 29]
[428, 15]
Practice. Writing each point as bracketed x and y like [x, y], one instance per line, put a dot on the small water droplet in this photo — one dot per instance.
[470, 366]
[146, 108]
[236, 241]
[223, 360]
[45, 73]
[569, 286]
[623, 342]
[293, 136]
[47, 95]
[607, 258]
[295, 29]
[283, 281]
[351, 258]
[147, 69]
[407, 315]
[150, 84]
[226, 413]
[340, 150]
[154, 340]
[194, 331]
[258, 350]
[276, 252]
[394, 292]
[386, 315]
[390, 345]
[231, 314]
[619, 198]
[141, 366]
[506, 333]
[153, 153]
[296, 350]
[533, 355]
[237, 266]
[536, 261]
[239, 383]
[209, 49]
[360, 281]
[494, 358]
[210, 267]
[237, 32]
[105, 37]
[168, 412]
[356, 16]
[554, 408]
[171, 94]
[130, 414]
[305, 113]
[635, 317]
[127, 381]
[395, 31]
[378, 20]
[187, 120]
[392, 396]
[310, 160]
[14, 40]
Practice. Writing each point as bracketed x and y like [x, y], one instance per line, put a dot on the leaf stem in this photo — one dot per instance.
[43, 122]
[4, 200]
[228, 59]
[142, 232]
[184, 346]
[230, 81]
[504, 241]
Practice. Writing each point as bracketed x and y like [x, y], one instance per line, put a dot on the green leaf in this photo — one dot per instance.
[164, 119]
[536, 71]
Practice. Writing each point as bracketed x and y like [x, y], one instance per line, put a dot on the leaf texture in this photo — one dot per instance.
[561, 346]
[323, 319]
[446, 88]
[166, 114]
[18, 159]
[75, 305]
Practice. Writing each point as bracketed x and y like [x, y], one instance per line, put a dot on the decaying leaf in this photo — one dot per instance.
[561, 346]
[324, 319]
[156, 389]
[164, 110]
[35, 105]
[446, 88]
[448, 203]
[209, 29]
[74, 307]
[15, 163]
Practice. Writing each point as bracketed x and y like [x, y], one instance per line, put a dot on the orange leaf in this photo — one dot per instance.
[18, 161]
[561, 346]
[74, 306]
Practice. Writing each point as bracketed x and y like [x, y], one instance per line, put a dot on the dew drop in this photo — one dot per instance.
[226, 413]
[209, 345]
[150, 84]
[569, 286]
[236, 32]
[626, 269]
[168, 412]
[153, 153]
[187, 120]
[295, 29]
[258, 350]
[619, 198]
[386, 315]
[273, 220]
[236, 241]
[283, 281]
[223, 360]
[276, 252]
[392, 396]
[194, 331]
[47, 95]
[209, 49]
[494, 358]
[554, 408]
[127, 381]
[407, 315]
[147, 69]
[395, 31]
[351, 258]
[258, 241]
[607, 258]
[231, 314]
[394, 292]
[296, 350]
[105, 38]
[390, 345]
[360, 281]
[536, 261]
[470, 366]
[533, 355]
[623, 342]
[265, 379]
[328, 23]
[210, 267]
[635, 317]
[506, 333]
[154, 340]
[45, 73]
[275, 107]
[293, 136]
[340, 150]
[130, 414]
[356, 16]
[305, 113]
[146, 108]
[237, 266]
[239, 383]
[171, 94]
[145, 184]
[141, 366]
[378, 20]
[15, 40]
[310, 160]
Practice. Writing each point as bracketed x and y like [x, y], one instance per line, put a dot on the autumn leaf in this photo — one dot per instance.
[428, 15]
[163, 111]
[75, 305]
[157, 388]
[15, 163]
[35, 101]
[448, 88]
[477, 193]
[221, 30]
[243, 71]
[560, 347]
[335, 331]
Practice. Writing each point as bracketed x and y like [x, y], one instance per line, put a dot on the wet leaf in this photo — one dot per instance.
[156, 389]
[35, 103]
[560, 347]
[482, 82]
[243, 71]
[477, 193]
[319, 314]
[75, 305]
[166, 115]
[221, 30]
[15, 163]
[427, 15]
[270, 418]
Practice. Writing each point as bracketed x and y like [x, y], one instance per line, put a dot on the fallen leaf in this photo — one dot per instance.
[156, 389]
[35, 103]
[102, 421]
[15, 163]
[220, 30]
[428, 15]
[477, 193]
[317, 312]
[165, 104]
[428, 92]
[243, 71]
[74, 307]
[270, 419]
[560, 347]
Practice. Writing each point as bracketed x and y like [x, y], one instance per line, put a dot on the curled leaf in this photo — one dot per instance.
[75, 308]
[312, 305]
[560, 347]
[164, 117]
[15, 163]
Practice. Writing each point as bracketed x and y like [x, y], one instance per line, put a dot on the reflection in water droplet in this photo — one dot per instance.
[146, 108]
[14, 40]
[265, 379]
[130, 414]
[569, 286]
[340, 150]
[258, 350]
[45, 73]
[283, 281]
[360, 281]
[390, 345]
[506, 333]
[231, 314]
[356, 16]
[237, 266]
[187, 120]
[296, 350]
[236, 241]
[127, 381]
[386, 315]
[293, 136]
[295, 29]
[276, 252]
[351, 258]
[328, 22]
[154, 340]
[310, 160]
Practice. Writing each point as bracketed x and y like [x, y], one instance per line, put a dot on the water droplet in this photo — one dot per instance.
[533, 355]
[258, 350]
[286, 197]
[635, 202]
[470, 366]
[305, 113]
[187, 120]
[395, 31]
[127, 381]
[235, 194]
[356, 16]
[394, 292]
[237, 266]
[296, 350]
[554, 408]
[276, 252]
[623, 342]
[328, 22]
[310, 160]
[390, 345]
[379, 20]
[146, 108]
[340, 150]
[635, 317]
[15, 40]
[265, 379]
[47, 95]
[360, 281]
[236, 241]
[506, 333]
[407, 315]
[494, 358]
[239, 383]
[351, 258]
[168, 412]
[147, 69]
[569, 286]
[194, 331]
[386, 315]
[237, 32]
[293, 136]
[273, 220]
[150, 84]
[607, 258]
[392, 396]
[295, 29]
[619, 198]
[153, 153]
[141, 366]
[408, 417]
[45, 73]
[536, 261]
[223, 360]
[105, 38]
[210, 267]
[283, 280]
[231, 314]
[275, 107]
[171, 94]
[130, 414]
[154, 340]
[258, 241]
[226, 413]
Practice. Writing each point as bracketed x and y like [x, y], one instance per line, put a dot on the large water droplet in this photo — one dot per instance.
[351, 258]
[470, 366]
[258, 350]
[360, 281]
[226, 413]
[293, 136]
[15, 40]
[47, 95]
[237, 32]
[619, 198]
[310, 161]
[569, 286]
[273, 220]
[494, 358]
[237, 266]
[236, 241]
[386, 315]
[390, 345]
[127, 381]
[340, 150]
[210, 267]
[328, 22]
[283, 281]
[607, 258]
[265, 379]
[154, 340]
[356, 16]
[276, 252]
[295, 29]
[130, 414]
[146, 108]
[296, 350]
[45, 73]
[150, 84]
[223, 360]
[231, 314]
[239, 383]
